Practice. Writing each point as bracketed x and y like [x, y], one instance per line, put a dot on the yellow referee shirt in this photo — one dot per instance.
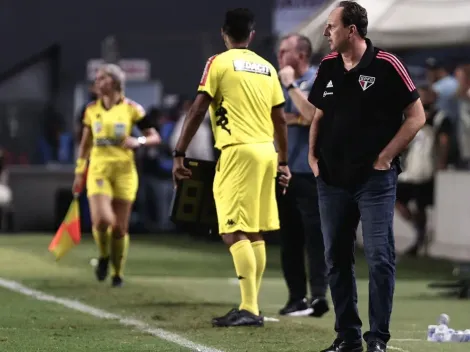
[110, 127]
[244, 88]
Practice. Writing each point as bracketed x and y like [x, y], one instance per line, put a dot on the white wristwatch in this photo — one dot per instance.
[142, 140]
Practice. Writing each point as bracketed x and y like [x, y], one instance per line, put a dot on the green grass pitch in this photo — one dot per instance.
[177, 284]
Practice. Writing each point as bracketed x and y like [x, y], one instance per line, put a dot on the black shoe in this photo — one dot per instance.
[117, 281]
[376, 346]
[215, 321]
[101, 270]
[298, 308]
[238, 318]
[319, 306]
[341, 346]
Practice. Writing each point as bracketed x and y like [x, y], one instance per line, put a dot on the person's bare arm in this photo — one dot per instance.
[442, 150]
[81, 164]
[296, 119]
[85, 143]
[192, 121]
[312, 142]
[280, 132]
[414, 121]
[313, 134]
[306, 109]
[152, 137]
[463, 90]
[462, 74]
[292, 119]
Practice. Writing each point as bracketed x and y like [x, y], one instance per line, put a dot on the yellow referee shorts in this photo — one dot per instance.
[245, 189]
[116, 179]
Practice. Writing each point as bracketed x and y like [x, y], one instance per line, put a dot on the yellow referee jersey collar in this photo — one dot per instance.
[120, 101]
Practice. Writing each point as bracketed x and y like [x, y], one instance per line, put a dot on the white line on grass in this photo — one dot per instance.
[393, 348]
[98, 313]
[407, 340]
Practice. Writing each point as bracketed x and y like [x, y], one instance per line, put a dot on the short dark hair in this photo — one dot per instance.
[303, 43]
[355, 14]
[238, 24]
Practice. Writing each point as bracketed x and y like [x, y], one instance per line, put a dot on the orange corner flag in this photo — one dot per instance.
[68, 235]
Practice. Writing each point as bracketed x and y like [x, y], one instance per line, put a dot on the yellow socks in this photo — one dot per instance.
[259, 248]
[119, 249]
[102, 241]
[245, 266]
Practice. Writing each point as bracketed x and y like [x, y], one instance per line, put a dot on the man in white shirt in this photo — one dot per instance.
[201, 146]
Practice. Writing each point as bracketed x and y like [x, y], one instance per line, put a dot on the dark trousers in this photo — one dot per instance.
[340, 209]
[300, 236]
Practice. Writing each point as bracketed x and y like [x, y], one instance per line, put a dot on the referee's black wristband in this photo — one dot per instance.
[178, 154]
[283, 163]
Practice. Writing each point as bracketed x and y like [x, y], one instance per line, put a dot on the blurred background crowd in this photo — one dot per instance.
[53, 50]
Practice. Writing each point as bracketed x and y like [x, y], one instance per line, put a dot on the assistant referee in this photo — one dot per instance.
[361, 94]
[246, 105]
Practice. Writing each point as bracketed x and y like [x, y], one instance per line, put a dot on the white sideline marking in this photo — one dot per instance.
[98, 313]
[393, 348]
[407, 340]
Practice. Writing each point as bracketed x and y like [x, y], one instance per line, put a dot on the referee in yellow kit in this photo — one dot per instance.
[246, 104]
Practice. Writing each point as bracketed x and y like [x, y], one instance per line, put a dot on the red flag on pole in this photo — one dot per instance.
[69, 234]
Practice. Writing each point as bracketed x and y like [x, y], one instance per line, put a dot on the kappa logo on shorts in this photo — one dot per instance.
[99, 182]
[230, 222]
[366, 81]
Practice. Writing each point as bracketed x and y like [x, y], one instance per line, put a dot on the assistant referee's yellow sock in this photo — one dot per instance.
[119, 249]
[245, 266]
[259, 248]
[102, 241]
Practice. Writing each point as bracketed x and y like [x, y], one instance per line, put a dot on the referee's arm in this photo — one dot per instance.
[280, 130]
[193, 120]
[279, 119]
[207, 88]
